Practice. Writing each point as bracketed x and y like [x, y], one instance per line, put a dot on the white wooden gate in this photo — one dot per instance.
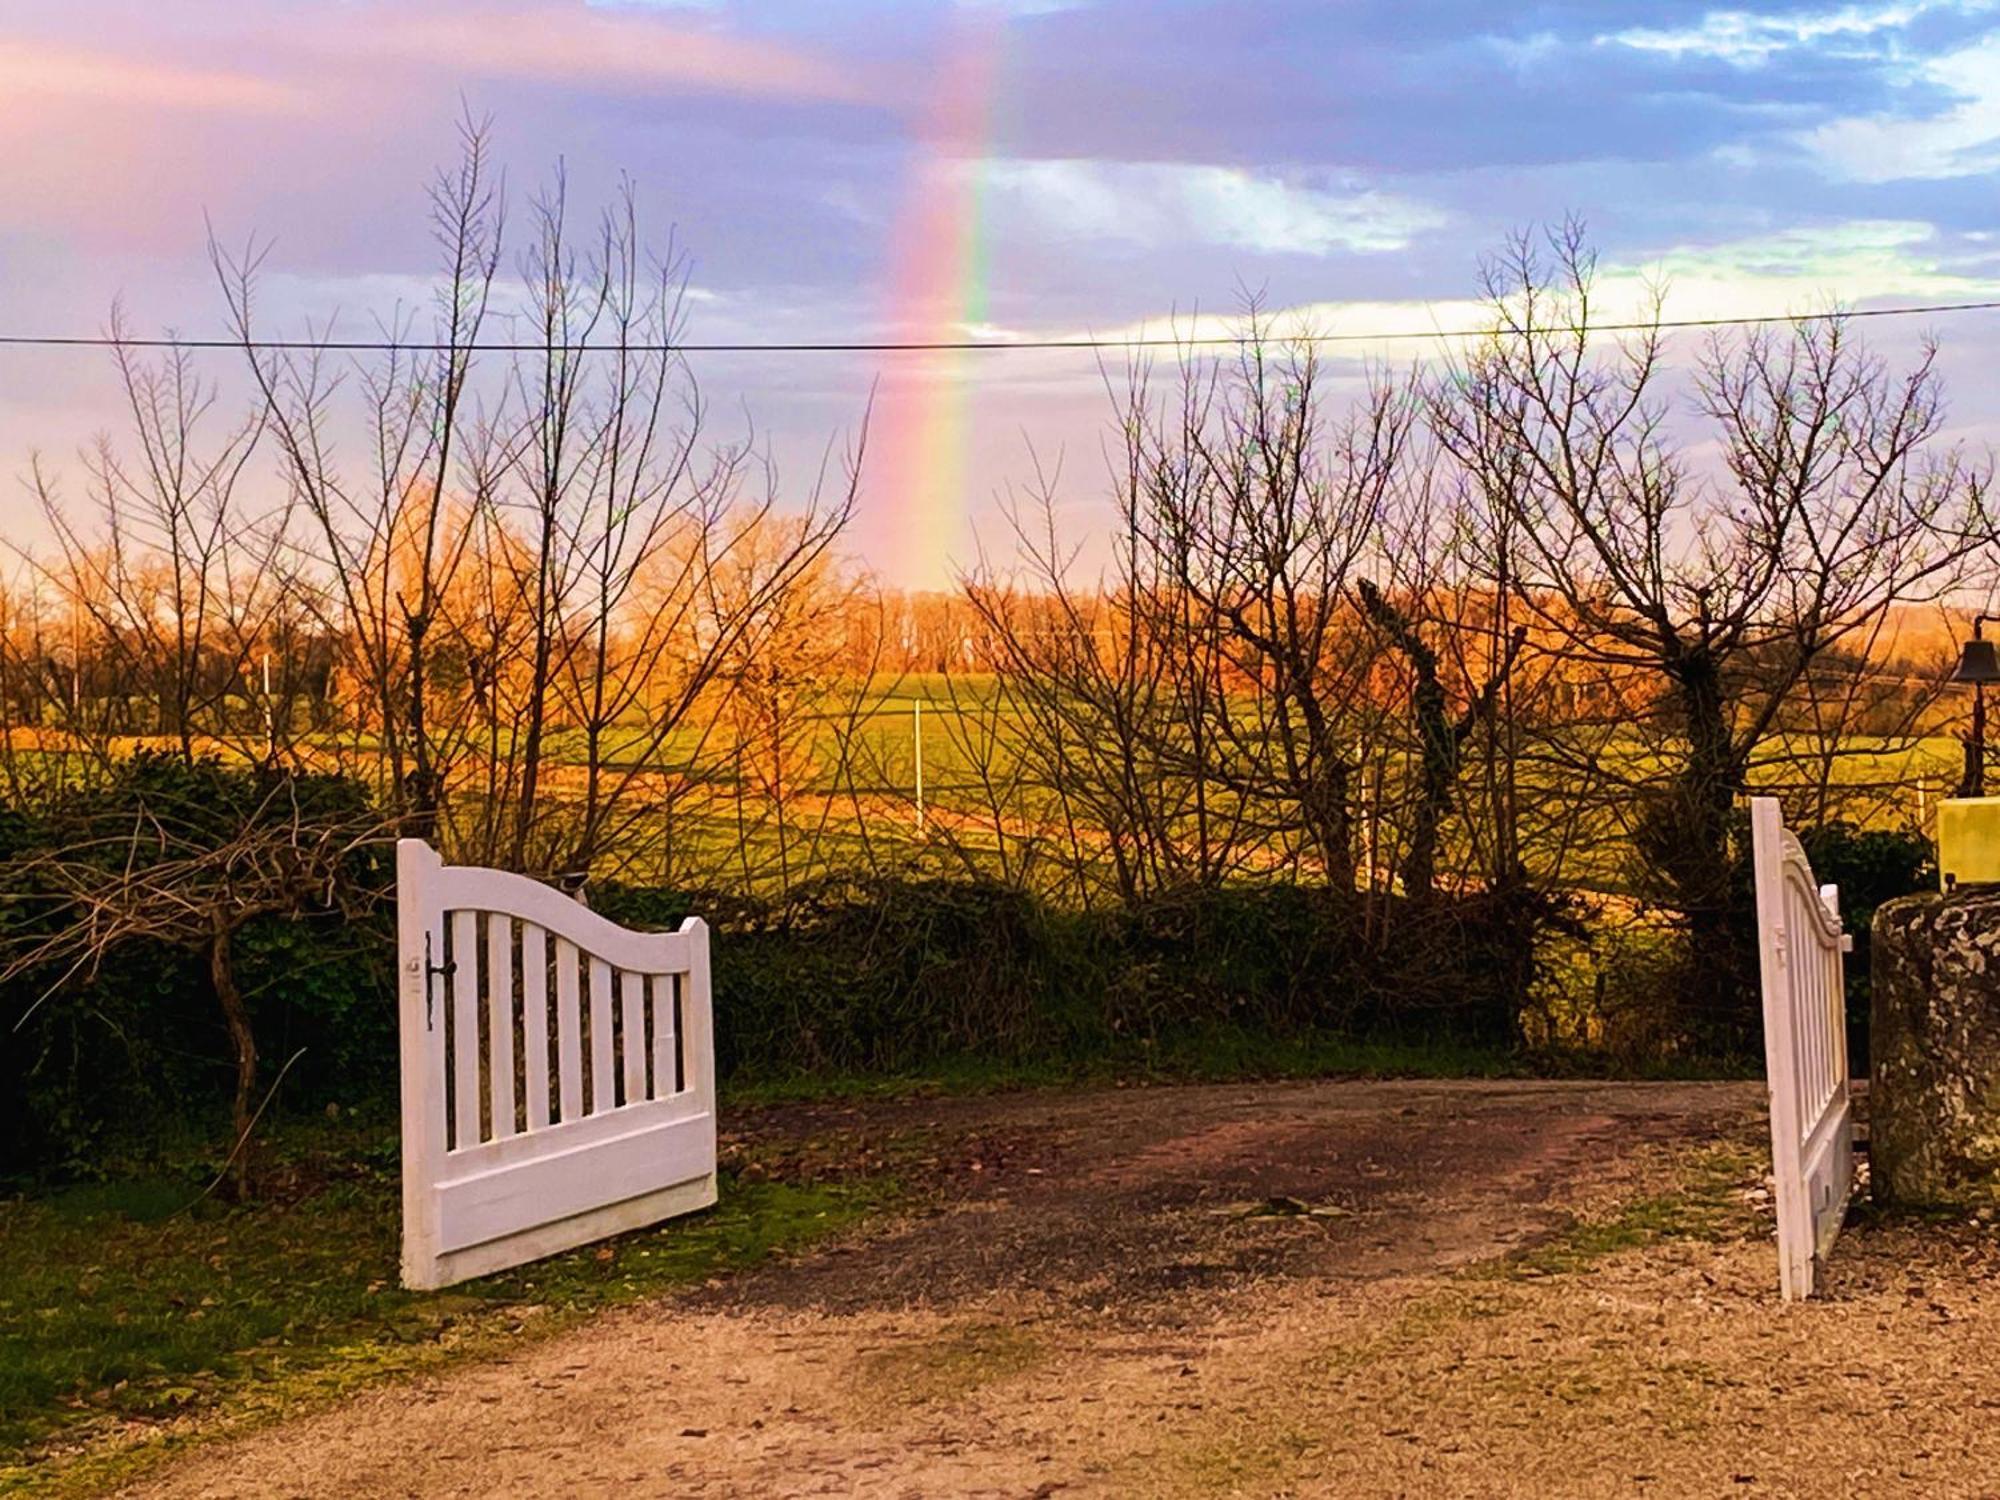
[558, 1070]
[1799, 947]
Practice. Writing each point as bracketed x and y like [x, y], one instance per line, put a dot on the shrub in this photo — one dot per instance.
[849, 974]
[125, 1040]
[1871, 866]
[865, 974]
[887, 973]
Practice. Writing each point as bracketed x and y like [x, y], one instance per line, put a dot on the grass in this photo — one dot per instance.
[1706, 1202]
[123, 1307]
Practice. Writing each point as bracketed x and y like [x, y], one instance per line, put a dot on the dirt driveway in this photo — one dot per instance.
[1324, 1289]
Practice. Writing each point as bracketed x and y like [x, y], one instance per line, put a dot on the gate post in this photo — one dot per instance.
[419, 945]
[699, 1019]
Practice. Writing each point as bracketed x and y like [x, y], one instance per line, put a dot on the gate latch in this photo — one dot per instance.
[433, 971]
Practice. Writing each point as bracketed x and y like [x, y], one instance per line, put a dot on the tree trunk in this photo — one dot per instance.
[1688, 845]
[420, 812]
[1331, 821]
[1440, 739]
[537, 699]
[236, 1017]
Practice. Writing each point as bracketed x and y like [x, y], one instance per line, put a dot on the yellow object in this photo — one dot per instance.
[1968, 836]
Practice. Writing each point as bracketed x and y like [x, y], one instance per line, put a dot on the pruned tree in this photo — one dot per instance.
[380, 542]
[1267, 505]
[1440, 733]
[527, 578]
[1703, 596]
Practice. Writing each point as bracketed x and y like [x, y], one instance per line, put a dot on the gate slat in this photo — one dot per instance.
[569, 1030]
[465, 1028]
[500, 1020]
[632, 997]
[535, 1022]
[602, 1096]
[1811, 970]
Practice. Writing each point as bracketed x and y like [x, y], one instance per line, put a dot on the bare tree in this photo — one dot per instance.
[1706, 599]
[1267, 507]
[527, 580]
[1104, 685]
[384, 547]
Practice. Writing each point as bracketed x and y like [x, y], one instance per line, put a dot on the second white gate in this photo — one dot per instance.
[1800, 948]
[558, 1070]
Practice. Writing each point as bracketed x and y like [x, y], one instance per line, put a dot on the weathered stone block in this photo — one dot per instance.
[1934, 1045]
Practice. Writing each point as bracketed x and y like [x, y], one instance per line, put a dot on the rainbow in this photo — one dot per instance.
[937, 290]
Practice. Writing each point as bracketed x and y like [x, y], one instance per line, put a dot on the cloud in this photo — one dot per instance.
[1159, 204]
[635, 47]
[1962, 140]
[1776, 275]
[30, 70]
[1750, 38]
[1801, 270]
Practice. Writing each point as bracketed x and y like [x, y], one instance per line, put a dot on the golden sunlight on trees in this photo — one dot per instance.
[1482, 645]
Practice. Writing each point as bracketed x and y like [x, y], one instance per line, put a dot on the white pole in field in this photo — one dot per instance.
[917, 739]
[270, 714]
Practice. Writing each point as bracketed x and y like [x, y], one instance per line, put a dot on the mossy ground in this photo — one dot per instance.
[127, 1307]
[1707, 1199]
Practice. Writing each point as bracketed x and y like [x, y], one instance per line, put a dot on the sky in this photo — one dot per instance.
[996, 169]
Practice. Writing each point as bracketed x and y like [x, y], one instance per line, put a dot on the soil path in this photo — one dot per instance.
[1254, 1290]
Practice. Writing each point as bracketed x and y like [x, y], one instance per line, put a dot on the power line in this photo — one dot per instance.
[980, 346]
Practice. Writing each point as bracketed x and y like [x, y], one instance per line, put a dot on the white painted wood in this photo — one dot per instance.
[419, 943]
[465, 1026]
[569, 1023]
[588, 1131]
[698, 1033]
[535, 1022]
[506, 1178]
[665, 1040]
[1800, 948]
[563, 1182]
[632, 1033]
[603, 1091]
[566, 1234]
[500, 1020]
[473, 888]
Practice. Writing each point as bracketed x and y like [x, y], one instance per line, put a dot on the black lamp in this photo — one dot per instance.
[1978, 664]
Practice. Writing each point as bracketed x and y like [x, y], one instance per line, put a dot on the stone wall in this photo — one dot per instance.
[1934, 1085]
